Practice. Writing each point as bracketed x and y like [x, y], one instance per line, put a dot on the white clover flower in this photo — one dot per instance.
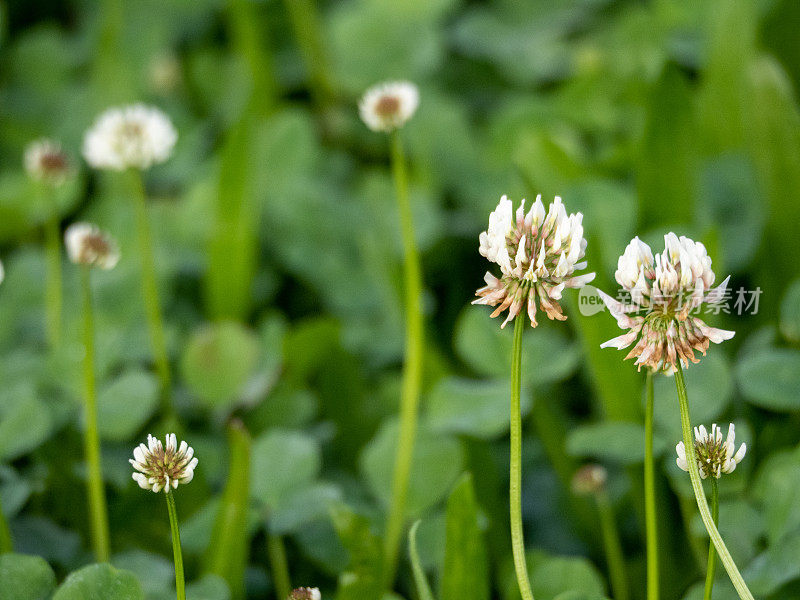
[2, 272]
[305, 593]
[46, 161]
[538, 256]
[88, 245]
[136, 136]
[387, 106]
[589, 479]
[163, 468]
[664, 290]
[714, 457]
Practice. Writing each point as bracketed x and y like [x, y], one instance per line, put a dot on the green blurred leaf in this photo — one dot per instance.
[438, 460]
[775, 566]
[24, 422]
[100, 582]
[362, 578]
[218, 361]
[125, 404]
[553, 575]
[776, 486]
[283, 461]
[475, 408]
[465, 573]
[25, 577]
[770, 379]
[790, 313]
[614, 441]
[302, 506]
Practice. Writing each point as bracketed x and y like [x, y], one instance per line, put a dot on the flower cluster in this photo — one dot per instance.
[388, 106]
[162, 467]
[305, 593]
[714, 457]
[134, 136]
[664, 290]
[89, 245]
[589, 479]
[537, 254]
[46, 161]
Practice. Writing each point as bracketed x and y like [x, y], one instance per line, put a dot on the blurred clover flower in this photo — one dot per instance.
[46, 161]
[538, 256]
[88, 245]
[714, 457]
[589, 480]
[664, 290]
[305, 593]
[161, 467]
[135, 136]
[2, 272]
[388, 106]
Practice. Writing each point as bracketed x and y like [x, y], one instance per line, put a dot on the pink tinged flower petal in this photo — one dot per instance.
[712, 333]
[718, 293]
[622, 341]
[555, 291]
[532, 307]
[580, 280]
[617, 310]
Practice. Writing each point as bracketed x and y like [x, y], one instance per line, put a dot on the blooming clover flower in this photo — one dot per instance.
[714, 457]
[162, 467]
[537, 255]
[664, 289]
[136, 136]
[305, 593]
[387, 106]
[46, 161]
[89, 245]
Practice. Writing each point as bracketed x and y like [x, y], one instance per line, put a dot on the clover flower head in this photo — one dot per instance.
[589, 479]
[46, 161]
[664, 290]
[163, 467]
[88, 245]
[135, 136]
[305, 593]
[714, 457]
[538, 255]
[387, 106]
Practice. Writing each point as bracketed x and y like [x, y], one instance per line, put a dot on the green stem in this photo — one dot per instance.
[650, 494]
[98, 510]
[423, 588]
[712, 554]
[412, 367]
[155, 322]
[279, 566]
[614, 556]
[180, 582]
[53, 293]
[515, 486]
[308, 31]
[5, 534]
[697, 486]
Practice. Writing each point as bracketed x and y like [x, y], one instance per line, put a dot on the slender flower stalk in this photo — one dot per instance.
[651, 522]
[515, 473]
[152, 303]
[5, 533]
[712, 553]
[87, 247]
[163, 467]
[134, 138]
[307, 27]
[180, 581]
[386, 108]
[591, 480]
[279, 566]
[49, 167]
[700, 497]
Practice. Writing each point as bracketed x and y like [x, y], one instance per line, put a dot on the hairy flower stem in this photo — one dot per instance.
[98, 510]
[699, 494]
[5, 534]
[613, 547]
[515, 485]
[180, 582]
[279, 566]
[651, 524]
[53, 291]
[155, 321]
[712, 554]
[412, 367]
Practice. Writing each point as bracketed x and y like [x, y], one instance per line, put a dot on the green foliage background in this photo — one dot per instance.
[279, 260]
